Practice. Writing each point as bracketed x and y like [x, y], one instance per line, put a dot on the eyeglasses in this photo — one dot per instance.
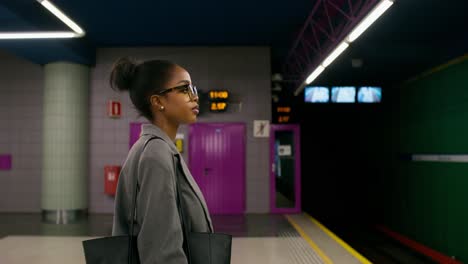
[186, 89]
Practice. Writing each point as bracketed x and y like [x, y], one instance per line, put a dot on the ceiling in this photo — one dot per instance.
[150, 23]
[413, 36]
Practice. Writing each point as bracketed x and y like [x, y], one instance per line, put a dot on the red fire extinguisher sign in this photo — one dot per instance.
[114, 109]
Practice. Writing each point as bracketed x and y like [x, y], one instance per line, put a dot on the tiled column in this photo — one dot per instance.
[65, 142]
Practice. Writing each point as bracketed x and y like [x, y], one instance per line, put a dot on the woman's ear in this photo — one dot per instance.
[156, 102]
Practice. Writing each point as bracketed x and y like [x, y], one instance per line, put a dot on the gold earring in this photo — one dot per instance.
[162, 107]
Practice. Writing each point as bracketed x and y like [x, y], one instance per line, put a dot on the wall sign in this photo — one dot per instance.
[114, 109]
[179, 142]
[5, 162]
[261, 128]
[284, 150]
[461, 158]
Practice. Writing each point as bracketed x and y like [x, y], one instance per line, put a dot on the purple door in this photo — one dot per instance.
[135, 130]
[217, 162]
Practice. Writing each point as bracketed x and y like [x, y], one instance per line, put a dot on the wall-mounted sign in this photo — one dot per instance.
[261, 128]
[114, 109]
[179, 145]
[284, 150]
[179, 142]
[5, 162]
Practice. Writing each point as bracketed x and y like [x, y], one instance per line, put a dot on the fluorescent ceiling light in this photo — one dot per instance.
[342, 47]
[76, 33]
[65, 19]
[369, 19]
[314, 74]
[37, 35]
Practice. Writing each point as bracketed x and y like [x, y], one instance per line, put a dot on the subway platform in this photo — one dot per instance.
[257, 238]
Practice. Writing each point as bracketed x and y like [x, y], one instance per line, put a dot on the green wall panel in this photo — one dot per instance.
[428, 201]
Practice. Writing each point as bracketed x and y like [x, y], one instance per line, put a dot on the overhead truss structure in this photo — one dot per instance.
[327, 25]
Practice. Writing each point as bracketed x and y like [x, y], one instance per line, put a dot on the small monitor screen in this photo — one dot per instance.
[344, 94]
[316, 94]
[369, 94]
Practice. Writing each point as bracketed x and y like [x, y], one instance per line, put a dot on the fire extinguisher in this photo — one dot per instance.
[111, 178]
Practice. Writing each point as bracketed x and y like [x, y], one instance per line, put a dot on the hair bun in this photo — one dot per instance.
[123, 74]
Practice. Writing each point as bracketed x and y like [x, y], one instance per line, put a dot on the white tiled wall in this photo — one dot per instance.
[245, 71]
[21, 85]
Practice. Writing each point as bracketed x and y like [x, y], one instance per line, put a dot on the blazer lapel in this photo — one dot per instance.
[197, 190]
[150, 129]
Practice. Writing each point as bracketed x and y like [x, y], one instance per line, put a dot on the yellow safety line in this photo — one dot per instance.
[339, 241]
[312, 244]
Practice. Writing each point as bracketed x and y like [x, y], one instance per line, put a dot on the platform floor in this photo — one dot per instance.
[257, 238]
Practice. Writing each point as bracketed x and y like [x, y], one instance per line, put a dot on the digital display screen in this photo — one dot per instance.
[217, 94]
[367, 94]
[218, 106]
[316, 94]
[344, 94]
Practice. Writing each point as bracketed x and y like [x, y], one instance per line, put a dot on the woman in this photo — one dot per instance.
[163, 93]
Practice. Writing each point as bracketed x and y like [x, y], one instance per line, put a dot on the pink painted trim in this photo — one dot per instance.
[5, 162]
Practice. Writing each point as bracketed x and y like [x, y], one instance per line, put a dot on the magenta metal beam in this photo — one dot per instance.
[329, 22]
[340, 10]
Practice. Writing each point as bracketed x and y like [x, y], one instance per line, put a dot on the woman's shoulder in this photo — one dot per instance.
[148, 142]
[156, 148]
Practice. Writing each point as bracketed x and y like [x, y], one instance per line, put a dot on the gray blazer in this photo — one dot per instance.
[157, 223]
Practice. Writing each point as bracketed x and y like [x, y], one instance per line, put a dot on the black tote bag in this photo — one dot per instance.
[206, 248]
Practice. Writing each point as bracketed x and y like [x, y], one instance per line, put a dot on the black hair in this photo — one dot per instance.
[142, 80]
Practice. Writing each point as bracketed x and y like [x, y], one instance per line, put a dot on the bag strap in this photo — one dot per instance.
[183, 220]
[134, 201]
